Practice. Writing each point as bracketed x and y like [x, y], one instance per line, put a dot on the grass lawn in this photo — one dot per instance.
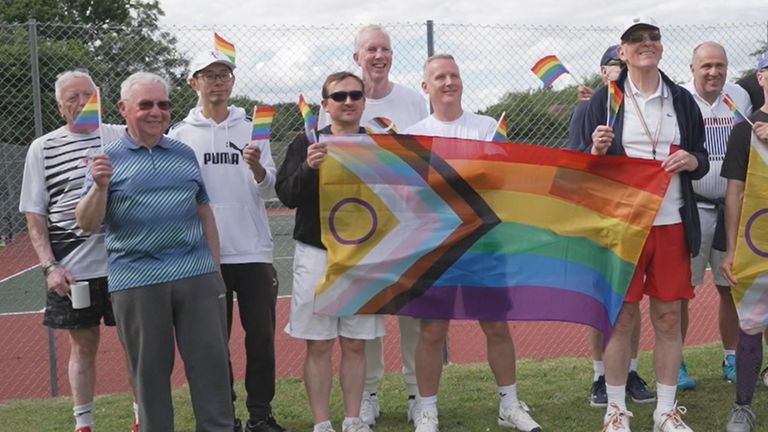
[556, 390]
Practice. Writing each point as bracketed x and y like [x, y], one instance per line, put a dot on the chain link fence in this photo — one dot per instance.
[274, 65]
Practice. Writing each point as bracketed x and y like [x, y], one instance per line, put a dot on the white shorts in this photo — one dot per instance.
[707, 255]
[308, 268]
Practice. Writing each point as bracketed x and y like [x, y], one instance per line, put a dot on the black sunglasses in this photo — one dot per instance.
[341, 96]
[639, 36]
[146, 105]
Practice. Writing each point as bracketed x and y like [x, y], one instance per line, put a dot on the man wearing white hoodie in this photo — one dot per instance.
[238, 176]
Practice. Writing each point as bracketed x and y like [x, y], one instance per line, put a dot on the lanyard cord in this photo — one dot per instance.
[654, 139]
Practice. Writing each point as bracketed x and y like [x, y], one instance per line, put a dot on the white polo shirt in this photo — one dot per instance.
[658, 111]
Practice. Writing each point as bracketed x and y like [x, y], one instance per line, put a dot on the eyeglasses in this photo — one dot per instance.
[341, 96]
[639, 36]
[146, 105]
[210, 77]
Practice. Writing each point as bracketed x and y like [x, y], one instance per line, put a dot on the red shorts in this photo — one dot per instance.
[664, 268]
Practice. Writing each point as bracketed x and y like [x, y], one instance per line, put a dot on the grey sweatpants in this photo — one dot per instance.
[193, 311]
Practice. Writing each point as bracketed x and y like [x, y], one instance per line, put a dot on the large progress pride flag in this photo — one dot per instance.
[444, 228]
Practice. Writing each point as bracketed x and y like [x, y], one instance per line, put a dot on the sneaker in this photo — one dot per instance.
[764, 376]
[323, 427]
[729, 368]
[268, 424]
[671, 421]
[413, 407]
[238, 426]
[516, 416]
[742, 419]
[357, 425]
[599, 396]
[427, 422]
[84, 429]
[616, 419]
[369, 409]
[684, 381]
[637, 389]
[135, 426]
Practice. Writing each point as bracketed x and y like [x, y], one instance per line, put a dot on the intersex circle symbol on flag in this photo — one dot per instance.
[332, 218]
[748, 232]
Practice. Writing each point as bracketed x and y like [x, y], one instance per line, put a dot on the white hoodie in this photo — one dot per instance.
[236, 198]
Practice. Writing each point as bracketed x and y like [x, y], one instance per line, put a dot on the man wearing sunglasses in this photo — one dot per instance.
[709, 67]
[239, 176]
[656, 120]
[163, 252]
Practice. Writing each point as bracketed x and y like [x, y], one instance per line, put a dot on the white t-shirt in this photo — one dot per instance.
[658, 111]
[54, 173]
[402, 106]
[468, 126]
[718, 122]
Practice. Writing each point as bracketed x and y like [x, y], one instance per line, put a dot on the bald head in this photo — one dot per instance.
[709, 67]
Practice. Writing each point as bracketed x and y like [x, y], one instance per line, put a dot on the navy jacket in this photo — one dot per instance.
[691, 140]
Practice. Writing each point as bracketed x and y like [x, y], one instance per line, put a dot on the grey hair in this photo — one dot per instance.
[68, 75]
[140, 78]
[365, 29]
[436, 57]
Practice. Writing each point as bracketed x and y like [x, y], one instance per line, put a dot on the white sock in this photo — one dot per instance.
[428, 404]
[726, 353]
[665, 398]
[617, 394]
[83, 415]
[349, 420]
[599, 368]
[319, 425]
[136, 412]
[508, 395]
[633, 365]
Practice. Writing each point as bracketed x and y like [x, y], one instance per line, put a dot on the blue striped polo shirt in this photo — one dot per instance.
[153, 232]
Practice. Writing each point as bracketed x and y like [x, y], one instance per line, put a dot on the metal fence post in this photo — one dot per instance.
[430, 38]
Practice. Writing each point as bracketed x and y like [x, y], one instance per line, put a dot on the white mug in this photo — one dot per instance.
[80, 295]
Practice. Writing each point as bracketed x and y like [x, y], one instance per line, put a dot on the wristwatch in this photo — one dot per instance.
[48, 266]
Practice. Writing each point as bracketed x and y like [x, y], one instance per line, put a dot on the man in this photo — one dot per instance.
[403, 107]
[709, 67]
[298, 187]
[637, 389]
[749, 351]
[656, 120]
[442, 82]
[163, 252]
[53, 177]
[238, 177]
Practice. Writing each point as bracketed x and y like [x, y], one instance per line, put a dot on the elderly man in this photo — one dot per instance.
[709, 67]
[749, 351]
[238, 177]
[53, 177]
[163, 260]
[403, 107]
[657, 120]
[442, 82]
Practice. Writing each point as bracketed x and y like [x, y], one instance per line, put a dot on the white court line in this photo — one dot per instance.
[22, 313]
[17, 274]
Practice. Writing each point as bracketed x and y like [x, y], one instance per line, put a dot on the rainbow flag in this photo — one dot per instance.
[615, 96]
[310, 120]
[224, 46]
[89, 118]
[750, 266]
[443, 228]
[381, 125]
[501, 130]
[262, 122]
[738, 117]
[548, 69]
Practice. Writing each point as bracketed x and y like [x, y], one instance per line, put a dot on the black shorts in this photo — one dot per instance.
[60, 315]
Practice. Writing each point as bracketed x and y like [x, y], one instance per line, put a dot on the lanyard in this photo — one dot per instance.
[654, 139]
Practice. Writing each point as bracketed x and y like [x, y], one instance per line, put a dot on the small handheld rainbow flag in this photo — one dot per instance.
[501, 130]
[615, 96]
[262, 122]
[548, 69]
[310, 120]
[382, 125]
[738, 117]
[89, 117]
[224, 46]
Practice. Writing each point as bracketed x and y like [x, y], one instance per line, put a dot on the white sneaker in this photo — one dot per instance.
[413, 410]
[616, 419]
[516, 416]
[357, 425]
[369, 409]
[427, 422]
[671, 421]
[323, 427]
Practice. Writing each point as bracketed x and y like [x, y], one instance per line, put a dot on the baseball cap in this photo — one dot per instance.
[763, 62]
[206, 58]
[610, 54]
[630, 24]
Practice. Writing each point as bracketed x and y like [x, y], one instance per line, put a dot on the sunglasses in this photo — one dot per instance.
[639, 36]
[146, 105]
[341, 96]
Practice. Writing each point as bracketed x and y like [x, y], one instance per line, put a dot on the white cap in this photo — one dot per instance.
[206, 58]
[642, 20]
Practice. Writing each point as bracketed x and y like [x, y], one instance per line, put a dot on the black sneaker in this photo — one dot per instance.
[637, 389]
[238, 425]
[599, 396]
[268, 424]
